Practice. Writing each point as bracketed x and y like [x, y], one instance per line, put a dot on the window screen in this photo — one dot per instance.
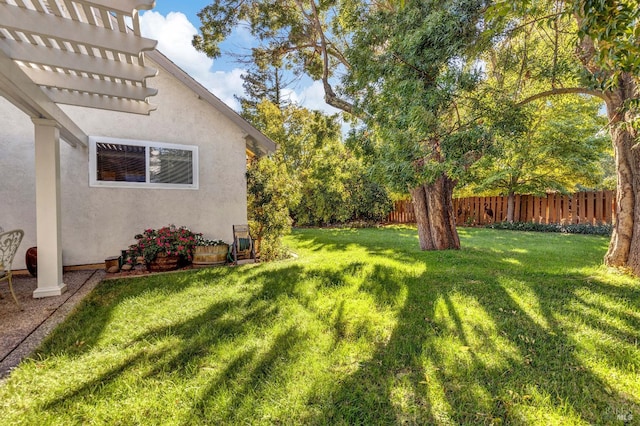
[121, 163]
[167, 165]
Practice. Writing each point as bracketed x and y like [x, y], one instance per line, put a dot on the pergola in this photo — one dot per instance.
[77, 52]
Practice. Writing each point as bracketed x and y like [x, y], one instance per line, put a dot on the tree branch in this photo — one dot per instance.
[562, 91]
[329, 95]
[533, 21]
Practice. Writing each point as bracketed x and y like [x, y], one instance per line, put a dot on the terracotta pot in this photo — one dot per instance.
[163, 263]
[31, 259]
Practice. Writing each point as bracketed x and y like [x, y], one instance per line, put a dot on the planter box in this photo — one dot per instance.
[163, 263]
[210, 255]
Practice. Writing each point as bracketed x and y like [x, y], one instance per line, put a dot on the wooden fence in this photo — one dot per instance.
[582, 207]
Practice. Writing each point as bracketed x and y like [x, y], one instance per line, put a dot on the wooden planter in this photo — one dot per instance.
[210, 255]
[163, 263]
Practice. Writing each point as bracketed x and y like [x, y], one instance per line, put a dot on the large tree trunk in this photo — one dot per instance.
[511, 204]
[433, 207]
[624, 248]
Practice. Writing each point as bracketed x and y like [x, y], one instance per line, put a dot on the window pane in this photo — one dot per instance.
[167, 165]
[120, 163]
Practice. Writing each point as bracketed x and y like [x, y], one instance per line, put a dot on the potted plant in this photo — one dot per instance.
[163, 249]
[210, 252]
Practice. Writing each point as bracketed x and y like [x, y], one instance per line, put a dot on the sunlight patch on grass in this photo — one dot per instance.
[535, 406]
[519, 251]
[436, 393]
[526, 300]
[511, 261]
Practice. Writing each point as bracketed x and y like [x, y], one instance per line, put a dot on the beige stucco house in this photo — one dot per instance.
[182, 164]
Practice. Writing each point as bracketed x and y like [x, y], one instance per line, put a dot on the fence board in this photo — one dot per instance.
[582, 207]
[599, 205]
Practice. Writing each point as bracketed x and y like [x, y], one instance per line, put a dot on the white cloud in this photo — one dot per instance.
[174, 34]
[225, 85]
[312, 97]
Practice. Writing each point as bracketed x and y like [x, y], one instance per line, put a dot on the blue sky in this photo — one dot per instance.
[190, 9]
[174, 23]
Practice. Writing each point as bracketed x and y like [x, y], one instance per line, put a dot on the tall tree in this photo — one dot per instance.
[556, 145]
[306, 36]
[413, 78]
[594, 51]
[265, 82]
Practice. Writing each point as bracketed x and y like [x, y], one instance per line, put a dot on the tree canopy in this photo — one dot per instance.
[561, 148]
[430, 79]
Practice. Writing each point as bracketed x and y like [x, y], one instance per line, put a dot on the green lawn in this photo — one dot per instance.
[361, 328]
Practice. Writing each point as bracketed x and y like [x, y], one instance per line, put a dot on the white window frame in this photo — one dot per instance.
[93, 164]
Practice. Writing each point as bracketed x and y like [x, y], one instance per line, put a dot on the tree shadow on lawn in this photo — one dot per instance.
[440, 366]
[463, 349]
[248, 375]
[89, 319]
[190, 351]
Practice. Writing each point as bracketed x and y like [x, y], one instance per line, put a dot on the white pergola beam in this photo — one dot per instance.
[99, 102]
[50, 26]
[89, 85]
[121, 6]
[31, 99]
[26, 52]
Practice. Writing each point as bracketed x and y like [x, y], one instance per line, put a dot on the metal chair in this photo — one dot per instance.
[9, 243]
[242, 247]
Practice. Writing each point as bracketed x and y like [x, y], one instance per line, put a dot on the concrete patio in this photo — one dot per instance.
[22, 331]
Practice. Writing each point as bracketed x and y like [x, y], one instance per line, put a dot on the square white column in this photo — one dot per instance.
[48, 216]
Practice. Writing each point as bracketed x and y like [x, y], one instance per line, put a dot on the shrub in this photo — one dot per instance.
[269, 190]
[574, 228]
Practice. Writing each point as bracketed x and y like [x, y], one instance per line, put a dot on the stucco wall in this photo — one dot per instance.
[17, 176]
[99, 222]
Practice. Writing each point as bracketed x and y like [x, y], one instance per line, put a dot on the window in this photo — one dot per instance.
[142, 164]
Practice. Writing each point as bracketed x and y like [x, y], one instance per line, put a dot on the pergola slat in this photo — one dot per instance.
[99, 102]
[23, 93]
[71, 10]
[95, 86]
[122, 6]
[31, 21]
[25, 52]
[55, 8]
